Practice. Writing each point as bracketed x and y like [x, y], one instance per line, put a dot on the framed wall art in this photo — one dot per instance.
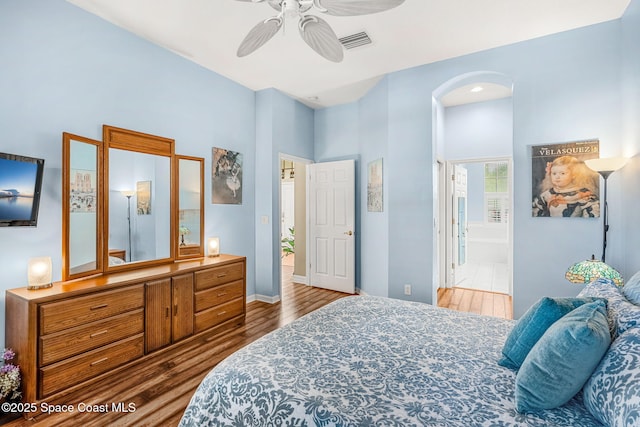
[562, 184]
[83, 193]
[143, 197]
[226, 177]
[374, 186]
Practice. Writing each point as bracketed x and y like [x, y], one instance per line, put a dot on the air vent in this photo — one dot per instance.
[355, 40]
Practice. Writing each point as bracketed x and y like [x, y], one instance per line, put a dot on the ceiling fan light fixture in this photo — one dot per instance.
[314, 31]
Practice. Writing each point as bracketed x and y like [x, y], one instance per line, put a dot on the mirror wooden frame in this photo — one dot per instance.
[200, 252]
[67, 273]
[133, 141]
[129, 140]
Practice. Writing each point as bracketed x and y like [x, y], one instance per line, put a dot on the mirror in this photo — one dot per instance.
[190, 207]
[128, 201]
[139, 201]
[81, 207]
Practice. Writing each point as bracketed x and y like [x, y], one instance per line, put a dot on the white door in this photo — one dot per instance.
[332, 225]
[460, 225]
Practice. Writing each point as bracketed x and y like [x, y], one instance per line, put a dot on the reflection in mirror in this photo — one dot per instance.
[190, 206]
[139, 207]
[81, 207]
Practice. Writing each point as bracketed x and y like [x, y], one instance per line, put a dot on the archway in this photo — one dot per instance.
[473, 124]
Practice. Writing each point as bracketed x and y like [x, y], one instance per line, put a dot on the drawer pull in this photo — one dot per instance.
[99, 361]
[98, 333]
[222, 313]
[166, 313]
[221, 275]
[98, 307]
[221, 294]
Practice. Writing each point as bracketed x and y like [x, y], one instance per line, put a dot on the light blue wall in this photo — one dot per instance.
[283, 126]
[476, 131]
[373, 227]
[62, 69]
[410, 188]
[630, 174]
[336, 132]
[566, 87]
[479, 130]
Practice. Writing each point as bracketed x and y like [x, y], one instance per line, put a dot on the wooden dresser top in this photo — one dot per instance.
[90, 284]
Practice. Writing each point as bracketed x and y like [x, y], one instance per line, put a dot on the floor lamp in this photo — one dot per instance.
[605, 167]
[592, 269]
[128, 195]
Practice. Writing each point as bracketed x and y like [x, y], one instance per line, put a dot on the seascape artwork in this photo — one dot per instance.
[17, 184]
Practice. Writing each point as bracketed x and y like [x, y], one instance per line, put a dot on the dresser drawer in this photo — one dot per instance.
[65, 374]
[218, 275]
[219, 295]
[70, 342]
[56, 316]
[216, 315]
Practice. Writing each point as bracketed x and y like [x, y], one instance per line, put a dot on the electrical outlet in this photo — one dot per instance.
[407, 289]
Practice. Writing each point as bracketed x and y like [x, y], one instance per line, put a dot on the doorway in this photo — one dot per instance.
[473, 117]
[479, 236]
[292, 223]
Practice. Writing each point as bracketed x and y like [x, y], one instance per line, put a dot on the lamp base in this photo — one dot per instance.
[36, 287]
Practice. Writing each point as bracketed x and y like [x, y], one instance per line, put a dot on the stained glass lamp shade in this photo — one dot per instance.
[589, 270]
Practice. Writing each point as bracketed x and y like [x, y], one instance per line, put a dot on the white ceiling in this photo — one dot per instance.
[418, 32]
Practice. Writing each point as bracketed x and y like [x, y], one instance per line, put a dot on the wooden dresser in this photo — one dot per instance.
[80, 330]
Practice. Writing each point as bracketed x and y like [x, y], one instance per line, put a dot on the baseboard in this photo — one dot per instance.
[299, 279]
[263, 298]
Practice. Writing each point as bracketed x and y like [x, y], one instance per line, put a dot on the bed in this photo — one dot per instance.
[372, 361]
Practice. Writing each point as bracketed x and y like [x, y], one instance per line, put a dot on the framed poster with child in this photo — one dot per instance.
[562, 185]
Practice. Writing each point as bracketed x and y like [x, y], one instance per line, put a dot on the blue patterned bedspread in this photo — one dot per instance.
[370, 361]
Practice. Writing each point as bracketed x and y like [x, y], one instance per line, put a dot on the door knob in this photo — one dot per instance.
[348, 233]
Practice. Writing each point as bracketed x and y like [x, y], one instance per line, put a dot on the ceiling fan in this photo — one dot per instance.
[315, 31]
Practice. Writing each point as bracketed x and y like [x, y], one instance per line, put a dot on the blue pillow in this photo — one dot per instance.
[563, 359]
[631, 289]
[612, 394]
[533, 324]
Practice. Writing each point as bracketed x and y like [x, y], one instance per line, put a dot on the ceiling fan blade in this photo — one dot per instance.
[321, 38]
[355, 7]
[259, 35]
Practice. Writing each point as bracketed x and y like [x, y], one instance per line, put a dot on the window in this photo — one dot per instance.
[496, 196]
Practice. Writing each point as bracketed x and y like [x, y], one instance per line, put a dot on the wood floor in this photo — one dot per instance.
[159, 388]
[480, 302]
